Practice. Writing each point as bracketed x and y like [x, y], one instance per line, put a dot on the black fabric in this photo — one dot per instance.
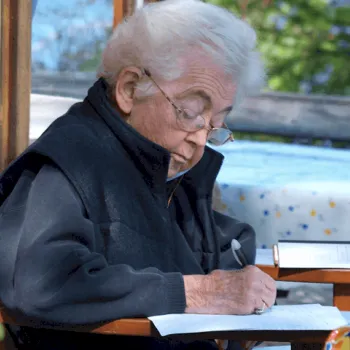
[60, 340]
[130, 260]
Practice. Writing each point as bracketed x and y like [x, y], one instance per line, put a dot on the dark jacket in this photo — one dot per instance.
[88, 238]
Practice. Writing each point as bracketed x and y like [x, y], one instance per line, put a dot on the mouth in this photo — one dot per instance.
[179, 158]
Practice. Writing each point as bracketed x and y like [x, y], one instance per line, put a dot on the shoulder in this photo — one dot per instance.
[48, 184]
[49, 176]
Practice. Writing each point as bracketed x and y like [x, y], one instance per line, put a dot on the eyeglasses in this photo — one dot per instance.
[192, 122]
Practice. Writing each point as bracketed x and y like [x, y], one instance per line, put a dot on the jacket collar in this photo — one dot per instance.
[151, 159]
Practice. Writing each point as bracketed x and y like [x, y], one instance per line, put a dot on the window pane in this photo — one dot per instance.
[68, 37]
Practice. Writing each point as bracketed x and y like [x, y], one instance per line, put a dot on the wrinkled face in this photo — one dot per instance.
[204, 89]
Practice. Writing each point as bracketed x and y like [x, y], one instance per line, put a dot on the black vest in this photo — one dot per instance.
[121, 179]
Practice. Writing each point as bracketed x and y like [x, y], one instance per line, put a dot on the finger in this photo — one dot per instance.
[261, 292]
[269, 280]
[258, 302]
[268, 298]
[266, 279]
[270, 301]
[270, 284]
[271, 294]
[259, 305]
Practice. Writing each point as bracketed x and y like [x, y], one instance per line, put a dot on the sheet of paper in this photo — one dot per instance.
[346, 315]
[264, 257]
[314, 255]
[281, 317]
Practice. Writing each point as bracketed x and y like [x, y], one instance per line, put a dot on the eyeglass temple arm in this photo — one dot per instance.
[148, 74]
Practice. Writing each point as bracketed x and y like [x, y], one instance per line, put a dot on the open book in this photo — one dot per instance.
[306, 254]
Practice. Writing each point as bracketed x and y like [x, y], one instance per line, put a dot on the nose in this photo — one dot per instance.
[199, 138]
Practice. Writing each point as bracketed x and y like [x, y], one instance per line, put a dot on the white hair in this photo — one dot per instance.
[158, 36]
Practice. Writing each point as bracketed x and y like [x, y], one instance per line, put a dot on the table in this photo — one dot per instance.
[339, 278]
[286, 191]
[299, 340]
[143, 327]
[44, 110]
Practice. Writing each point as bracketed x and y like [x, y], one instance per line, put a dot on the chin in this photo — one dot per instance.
[176, 168]
[172, 174]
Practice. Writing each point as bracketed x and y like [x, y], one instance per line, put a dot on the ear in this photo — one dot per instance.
[125, 88]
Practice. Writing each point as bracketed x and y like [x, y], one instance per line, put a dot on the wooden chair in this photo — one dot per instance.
[305, 340]
[339, 339]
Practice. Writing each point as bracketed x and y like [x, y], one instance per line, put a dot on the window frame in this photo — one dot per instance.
[15, 77]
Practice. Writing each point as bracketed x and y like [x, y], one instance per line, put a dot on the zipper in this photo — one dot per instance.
[173, 191]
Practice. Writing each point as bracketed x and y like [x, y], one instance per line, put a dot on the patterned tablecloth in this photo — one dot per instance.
[286, 191]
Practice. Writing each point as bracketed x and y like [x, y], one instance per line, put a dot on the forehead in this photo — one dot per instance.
[202, 74]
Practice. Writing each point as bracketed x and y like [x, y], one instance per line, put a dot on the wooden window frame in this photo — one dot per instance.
[15, 76]
[123, 8]
[15, 72]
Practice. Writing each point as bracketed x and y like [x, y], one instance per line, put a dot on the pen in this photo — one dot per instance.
[238, 253]
[275, 255]
[242, 261]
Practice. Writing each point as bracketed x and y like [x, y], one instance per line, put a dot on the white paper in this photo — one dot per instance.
[264, 257]
[281, 317]
[314, 255]
[346, 315]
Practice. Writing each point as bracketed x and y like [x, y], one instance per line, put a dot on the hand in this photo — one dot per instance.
[237, 292]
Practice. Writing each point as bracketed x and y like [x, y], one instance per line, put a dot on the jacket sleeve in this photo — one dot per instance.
[228, 228]
[57, 277]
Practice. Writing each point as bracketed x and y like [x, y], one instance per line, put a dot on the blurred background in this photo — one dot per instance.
[274, 177]
[305, 44]
[285, 191]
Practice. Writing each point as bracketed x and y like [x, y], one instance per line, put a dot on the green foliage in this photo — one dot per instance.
[300, 40]
[2, 332]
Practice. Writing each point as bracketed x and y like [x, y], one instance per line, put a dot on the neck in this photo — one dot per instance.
[177, 175]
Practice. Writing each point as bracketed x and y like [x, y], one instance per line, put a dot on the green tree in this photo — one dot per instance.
[2, 332]
[306, 44]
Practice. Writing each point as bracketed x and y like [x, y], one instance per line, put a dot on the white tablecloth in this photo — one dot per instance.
[283, 191]
[287, 191]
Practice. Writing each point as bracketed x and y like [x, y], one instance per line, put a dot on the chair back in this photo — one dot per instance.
[339, 339]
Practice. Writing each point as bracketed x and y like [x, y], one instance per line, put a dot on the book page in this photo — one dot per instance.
[314, 255]
[279, 317]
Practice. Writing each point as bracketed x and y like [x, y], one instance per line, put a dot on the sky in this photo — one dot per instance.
[70, 17]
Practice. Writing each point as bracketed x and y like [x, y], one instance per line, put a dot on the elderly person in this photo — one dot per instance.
[109, 213]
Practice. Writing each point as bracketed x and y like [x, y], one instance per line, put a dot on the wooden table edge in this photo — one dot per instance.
[334, 276]
[129, 326]
[144, 327]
